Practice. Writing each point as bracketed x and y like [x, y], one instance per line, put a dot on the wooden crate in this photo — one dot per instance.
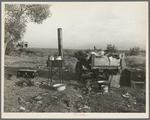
[27, 73]
[130, 77]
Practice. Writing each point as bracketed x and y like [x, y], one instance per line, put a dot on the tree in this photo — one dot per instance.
[111, 48]
[18, 15]
[134, 51]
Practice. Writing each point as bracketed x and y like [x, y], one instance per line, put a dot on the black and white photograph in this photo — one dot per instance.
[74, 59]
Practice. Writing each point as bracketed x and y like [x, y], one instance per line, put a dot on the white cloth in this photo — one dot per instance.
[110, 58]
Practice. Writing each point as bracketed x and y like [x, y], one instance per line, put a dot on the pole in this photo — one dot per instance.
[60, 42]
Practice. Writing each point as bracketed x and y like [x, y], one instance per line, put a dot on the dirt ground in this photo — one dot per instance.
[75, 98]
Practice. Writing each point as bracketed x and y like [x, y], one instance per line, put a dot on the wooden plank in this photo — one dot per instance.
[105, 67]
[133, 83]
[114, 80]
[138, 82]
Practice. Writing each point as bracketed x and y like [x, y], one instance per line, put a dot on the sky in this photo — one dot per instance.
[88, 24]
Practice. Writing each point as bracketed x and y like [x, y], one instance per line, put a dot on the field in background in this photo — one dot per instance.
[35, 58]
[136, 62]
[131, 61]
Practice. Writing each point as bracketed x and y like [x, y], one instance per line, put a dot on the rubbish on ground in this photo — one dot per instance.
[104, 58]
[22, 108]
[38, 98]
[87, 107]
[74, 82]
[79, 96]
[27, 102]
[138, 69]
[134, 103]
[79, 104]
[20, 99]
[54, 97]
[128, 105]
[24, 84]
[89, 89]
[37, 83]
[99, 93]
[45, 93]
[88, 85]
[127, 95]
[59, 87]
[40, 102]
[44, 83]
[14, 110]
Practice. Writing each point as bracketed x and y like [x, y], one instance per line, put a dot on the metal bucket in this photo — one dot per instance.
[51, 57]
[103, 82]
[104, 88]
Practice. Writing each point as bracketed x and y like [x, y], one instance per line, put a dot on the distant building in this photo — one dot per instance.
[22, 44]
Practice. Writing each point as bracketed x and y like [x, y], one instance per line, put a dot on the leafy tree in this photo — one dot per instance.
[18, 15]
[134, 51]
[143, 51]
[111, 48]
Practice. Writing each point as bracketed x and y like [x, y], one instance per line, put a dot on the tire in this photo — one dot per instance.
[78, 70]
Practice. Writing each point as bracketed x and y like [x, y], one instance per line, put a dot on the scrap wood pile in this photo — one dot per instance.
[101, 57]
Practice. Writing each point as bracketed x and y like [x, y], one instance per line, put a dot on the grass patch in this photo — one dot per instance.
[136, 61]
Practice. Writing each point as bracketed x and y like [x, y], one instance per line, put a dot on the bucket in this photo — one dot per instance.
[51, 57]
[104, 88]
[59, 58]
[103, 82]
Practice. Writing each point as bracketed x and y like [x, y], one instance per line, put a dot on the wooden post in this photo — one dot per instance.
[60, 43]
